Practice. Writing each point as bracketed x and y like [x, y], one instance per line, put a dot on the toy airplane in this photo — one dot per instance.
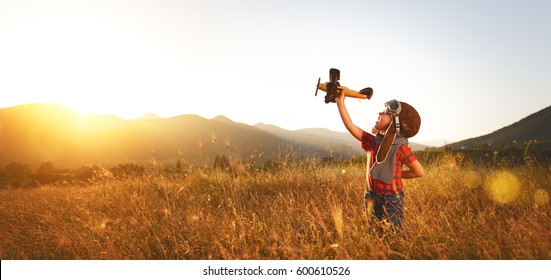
[333, 88]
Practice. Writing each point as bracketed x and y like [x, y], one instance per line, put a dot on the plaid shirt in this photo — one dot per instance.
[404, 155]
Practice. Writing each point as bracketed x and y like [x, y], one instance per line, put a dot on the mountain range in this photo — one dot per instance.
[38, 133]
[535, 127]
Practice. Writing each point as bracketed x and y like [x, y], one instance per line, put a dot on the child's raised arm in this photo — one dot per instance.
[352, 128]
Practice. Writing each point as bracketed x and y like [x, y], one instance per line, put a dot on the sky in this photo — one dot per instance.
[469, 67]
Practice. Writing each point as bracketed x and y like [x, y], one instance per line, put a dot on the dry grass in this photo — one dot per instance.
[301, 211]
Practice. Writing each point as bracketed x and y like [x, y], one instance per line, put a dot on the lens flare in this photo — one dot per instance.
[541, 197]
[503, 187]
[472, 179]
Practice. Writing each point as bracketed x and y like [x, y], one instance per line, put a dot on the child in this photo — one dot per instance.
[389, 152]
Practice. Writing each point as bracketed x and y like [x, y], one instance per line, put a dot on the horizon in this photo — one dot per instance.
[152, 116]
[461, 65]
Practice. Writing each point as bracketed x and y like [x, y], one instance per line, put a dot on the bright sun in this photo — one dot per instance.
[87, 63]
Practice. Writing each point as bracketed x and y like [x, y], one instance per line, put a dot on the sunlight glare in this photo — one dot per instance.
[541, 197]
[89, 64]
[503, 187]
[472, 179]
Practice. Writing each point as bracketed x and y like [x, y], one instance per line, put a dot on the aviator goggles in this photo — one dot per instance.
[394, 107]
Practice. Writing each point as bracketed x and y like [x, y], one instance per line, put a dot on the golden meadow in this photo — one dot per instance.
[297, 209]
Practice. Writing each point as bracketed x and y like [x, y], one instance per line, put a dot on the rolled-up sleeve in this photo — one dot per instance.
[406, 155]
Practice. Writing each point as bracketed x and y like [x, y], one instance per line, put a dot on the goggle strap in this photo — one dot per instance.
[397, 124]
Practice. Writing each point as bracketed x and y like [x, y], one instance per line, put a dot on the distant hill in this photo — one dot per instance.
[324, 138]
[37, 133]
[536, 126]
[318, 137]
[149, 116]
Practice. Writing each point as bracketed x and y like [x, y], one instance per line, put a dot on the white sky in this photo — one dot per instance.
[469, 67]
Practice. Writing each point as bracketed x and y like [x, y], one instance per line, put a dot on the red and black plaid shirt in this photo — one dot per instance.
[404, 155]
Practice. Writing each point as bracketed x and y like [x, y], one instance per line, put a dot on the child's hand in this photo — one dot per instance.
[340, 98]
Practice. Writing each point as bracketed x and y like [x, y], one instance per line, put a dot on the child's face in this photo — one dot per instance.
[383, 121]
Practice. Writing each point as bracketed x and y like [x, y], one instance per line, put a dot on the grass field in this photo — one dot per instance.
[306, 210]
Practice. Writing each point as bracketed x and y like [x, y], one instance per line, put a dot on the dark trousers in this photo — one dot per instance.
[388, 206]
